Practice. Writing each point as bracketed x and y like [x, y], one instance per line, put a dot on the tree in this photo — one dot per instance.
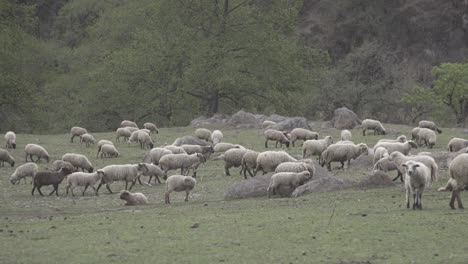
[421, 101]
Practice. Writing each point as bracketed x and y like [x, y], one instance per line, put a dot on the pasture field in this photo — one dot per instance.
[351, 226]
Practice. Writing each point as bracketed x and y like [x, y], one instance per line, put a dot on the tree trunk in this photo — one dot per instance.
[213, 103]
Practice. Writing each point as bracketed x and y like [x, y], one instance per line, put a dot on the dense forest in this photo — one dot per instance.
[94, 63]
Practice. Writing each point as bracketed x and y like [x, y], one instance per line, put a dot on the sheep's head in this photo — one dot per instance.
[47, 158]
[394, 155]
[189, 182]
[363, 148]
[100, 173]
[410, 167]
[124, 195]
[412, 144]
[201, 157]
[402, 139]
[65, 170]
[142, 167]
[12, 163]
[13, 145]
[151, 145]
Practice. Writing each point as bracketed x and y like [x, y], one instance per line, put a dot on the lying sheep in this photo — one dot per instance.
[203, 133]
[44, 178]
[10, 140]
[127, 173]
[26, 170]
[267, 161]
[6, 157]
[297, 166]
[35, 150]
[456, 144]
[374, 125]
[175, 149]
[346, 135]
[145, 140]
[401, 139]
[109, 151]
[216, 136]
[249, 162]
[417, 178]
[190, 140]
[430, 125]
[267, 124]
[83, 179]
[128, 123]
[397, 146]
[122, 132]
[232, 158]
[179, 183]
[153, 171]
[302, 134]
[287, 179]
[379, 153]
[399, 159]
[342, 153]
[205, 150]
[458, 170]
[156, 154]
[151, 127]
[316, 147]
[101, 143]
[88, 139]
[59, 164]
[427, 137]
[277, 136]
[133, 198]
[78, 161]
[224, 146]
[77, 132]
[184, 162]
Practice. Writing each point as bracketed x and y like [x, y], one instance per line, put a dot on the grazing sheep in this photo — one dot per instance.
[233, 158]
[88, 139]
[128, 123]
[268, 123]
[77, 132]
[417, 178]
[151, 127]
[59, 164]
[109, 151]
[127, 173]
[122, 132]
[133, 198]
[134, 136]
[224, 146]
[288, 179]
[131, 129]
[379, 153]
[267, 161]
[397, 146]
[316, 147]
[249, 162]
[385, 164]
[456, 144]
[401, 139]
[101, 143]
[145, 140]
[297, 166]
[26, 170]
[203, 133]
[35, 150]
[175, 149]
[153, 171]
[458, 170]
[44, 178]
[179, 183]
[10, 140]
[190, 140]
[429, 124]
[155, 155]
[217, 136]
[184, 162]
[276, 135]
[346, 135]
[205, 150]
[6, 157]
[342, 153]
[399, 158]
[374, 125]
[415, 135]
[84, 179]
[302, 134]
[78, 161]
[427, 137]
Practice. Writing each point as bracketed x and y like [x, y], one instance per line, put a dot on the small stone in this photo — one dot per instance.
[363, 215]
[195, 225]
[304, 253]
[205, 204]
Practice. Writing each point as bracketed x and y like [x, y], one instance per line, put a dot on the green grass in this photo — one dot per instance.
[352, 226]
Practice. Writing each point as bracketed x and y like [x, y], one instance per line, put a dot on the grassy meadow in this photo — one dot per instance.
[351, 226]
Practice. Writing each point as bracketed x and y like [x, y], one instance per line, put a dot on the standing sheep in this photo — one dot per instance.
[133, 198]
[179, 183]
[427, 136]
[456, 144]
[77, 132]
[122, 132]
[397, 146]
[6, 157]
[267, 124]
[151, 127]
[458, 171]
[26, 170]
[83, 179]
[128, 123]
[429, 124]
[287, 179]
[385, 164]
[153, 171]
[316, 147]
[249, 162]
[10, 140]
[44, 178]
[415, 135]
[35, 150]
[417, 178]
[346, 135]
[145, 140]
[184, 162]
[233, 158]
[268, 161]
[374, 125]
[302, 134]
[203, 133]
[216, 136]
[156, 154]
[379, 153]
[224, 146]
[88, 139]
[399, 159]
[109, 151]
[101, 143]
[79, 161]
[127, 173]
[175, 149]
[297, 166]
[190, 140]
[59, 164]
[342, 153]
[277, 136]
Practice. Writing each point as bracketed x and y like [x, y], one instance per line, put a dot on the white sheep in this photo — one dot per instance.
[153, 171]
[127, 173]
[26, 170]
[10, 140]
[205, 150]
[175, 149]
[397, 146]
[184, 162]
[427, 137]
[134, 136]
[249, 162]
[145, 140]
[128, 123]
[122, 132]
[83, 179]
[277, 136]
[399, 158]
[316, 147]
[78, 161]
[59, 164]
[131, 129]
[77, 132]
[151, 127]
[429, 124]
[31, 150]
[458, 171]
[6, 157]
[415, 135]
[88, 139]
[156, 154]
[401, 139]
[267, 161]
[216, 136]
[302, 134]
[345, 142]
[379, 153]
[268, 123]
[179, 183]
[203, 133]
[190, 140]
[224, 146]
[456, 144]
[342, 153]
[417, 178]
[101, 143]
[385, 164]
[109, 151]
[287, 179]
[133, 198]
[233, 158]
[346, 135]
[297, 166]
[374, 125]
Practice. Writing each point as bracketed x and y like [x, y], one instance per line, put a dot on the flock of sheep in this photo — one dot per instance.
[187, 153]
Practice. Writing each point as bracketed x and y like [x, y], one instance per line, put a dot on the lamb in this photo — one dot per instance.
[10, 140]
[205, 150]
[297, 166]
[77, 132]
[153, 171]
[83, 179]
[427, 136]
[156, 154]
[249, 162]
[127, 173]
[6, 157]
[179, 183]
[429, 124]
[184, 162]
[268, 123]
[288, 179]
[44, 178]
[88, 139]
[417, 178]
[109, 151]
[458, 170]
[456, 144]
[78, 161]
[401, 139]
[316, 147]
[190, 140]
[268, 161]
[203, 133]
[175, 149]
[101, 143]
[26, 170]
[302, 134]
[59, 164]
[133, 198]
[276, 135]
[398, 158]
[401, 147]
[233, 158]
[128, 123]
[342, 153]
[346, 135]
[224, 146]
[122, 132]
[379, 153]
[151, 127]
[35, 150]
[145, 140]
[374, 125]
[216, 136]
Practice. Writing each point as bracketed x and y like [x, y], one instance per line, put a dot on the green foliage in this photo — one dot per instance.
[421, 101]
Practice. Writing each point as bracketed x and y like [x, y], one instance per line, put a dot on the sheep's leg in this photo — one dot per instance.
[414, 200]
[342, 165]
[329, 166]
[420, 200]
[293, 143]
[226, 171]
[94, 189]
[460, 205]
[133, 183]
[276, 145]
[54, 190]
[349, 163]
[266, 143]
[156, 177]
[108, 188]
[139, 181]
[39, 190]
[186, 195]
[166, 197]
[32, 191]
[407, 198]
[364, 132]
[86, 187]
[452, 199]
[26, 157]
[269, 192]
[194, 173]
[71, 139]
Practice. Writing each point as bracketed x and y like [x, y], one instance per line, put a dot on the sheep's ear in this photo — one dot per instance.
[404, 165]
[416, 165]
